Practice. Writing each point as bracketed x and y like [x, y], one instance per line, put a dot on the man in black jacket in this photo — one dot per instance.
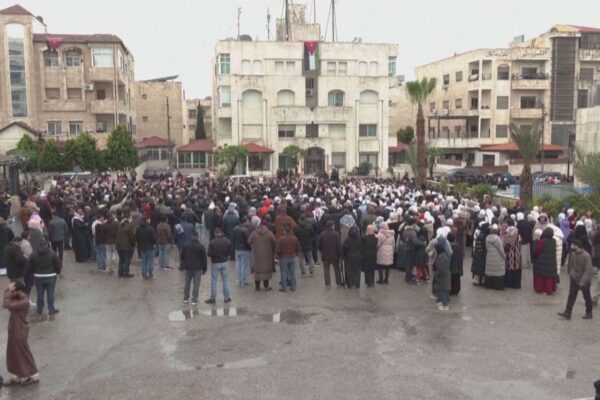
[15, 261]
[146, 242]
[193, 260]
[218, 251]
[45, 266]
[305, 232]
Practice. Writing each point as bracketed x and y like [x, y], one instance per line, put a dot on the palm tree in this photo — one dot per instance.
[433, 153]
[586, 167]
[528, 142]
[418, 92]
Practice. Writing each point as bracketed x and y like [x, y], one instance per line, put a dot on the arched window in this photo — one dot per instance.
[73, 57]
[336, 98]
[373, 68]
[257, 67]
[363, 68]
[286, 98]
[246, 67]
[252, 98]
[369, 97]
[503, 72]
[50, 59]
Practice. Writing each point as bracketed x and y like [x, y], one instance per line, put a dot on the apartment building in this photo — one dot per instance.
[63, 85]
[330, 98]
[481, 92]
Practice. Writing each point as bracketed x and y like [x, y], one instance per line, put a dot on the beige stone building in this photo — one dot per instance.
[151, 102]
[63, 85]
[190, 116]
[481, 92]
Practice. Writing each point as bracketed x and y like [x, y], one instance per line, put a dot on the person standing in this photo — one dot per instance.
[19, 360]
[442, 278]
[125, 243]
[495, 268]
[512, 249]
[544, 263]
[243, 252]
[219, 250]
[146, 241]
[15, 261]
[580, 272]
[46, 267]
[287, 248]
[262, 241]
[305, 232]
[98, 233]
[109, 232]
[183, 235]
[193, 260]
[386, 245]
[412, 243]
[230, 221]
[331, 252]
[79, 238]
[351, 250]
[57, 231]
[368, 250]
[6, 236]
[165, 240]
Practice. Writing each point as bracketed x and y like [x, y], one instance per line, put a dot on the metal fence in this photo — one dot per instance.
[557, 191]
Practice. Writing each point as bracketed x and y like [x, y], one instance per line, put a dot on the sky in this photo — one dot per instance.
[177, 37]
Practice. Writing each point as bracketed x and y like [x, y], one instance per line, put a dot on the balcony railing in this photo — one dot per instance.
[535, 76]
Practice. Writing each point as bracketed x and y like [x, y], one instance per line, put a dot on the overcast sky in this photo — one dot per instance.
[177, 37]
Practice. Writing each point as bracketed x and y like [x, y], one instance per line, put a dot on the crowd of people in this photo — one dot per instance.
[351, 226]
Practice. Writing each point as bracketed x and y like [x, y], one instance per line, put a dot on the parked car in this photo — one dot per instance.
[547, 177]
[461, 174]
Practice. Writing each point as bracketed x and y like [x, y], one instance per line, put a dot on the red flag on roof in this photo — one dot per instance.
[54, 42]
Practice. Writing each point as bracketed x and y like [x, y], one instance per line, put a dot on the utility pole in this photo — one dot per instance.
[314, 11]
[170, 151]
[287, 21]
[268, 25]
[333, 21]
[238, 21]
[543, 139]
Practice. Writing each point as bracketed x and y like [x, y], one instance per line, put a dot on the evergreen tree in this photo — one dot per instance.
[51, 159]
[120, 150]
[200, 131]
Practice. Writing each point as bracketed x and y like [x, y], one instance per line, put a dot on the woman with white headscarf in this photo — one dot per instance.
[495, 269]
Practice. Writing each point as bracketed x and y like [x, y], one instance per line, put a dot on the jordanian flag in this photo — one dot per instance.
[311, 56]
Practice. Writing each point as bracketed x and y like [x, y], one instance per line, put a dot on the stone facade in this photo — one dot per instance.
[190, 118]
[151, 101]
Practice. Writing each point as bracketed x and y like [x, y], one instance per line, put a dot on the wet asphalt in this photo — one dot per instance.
[132, 339]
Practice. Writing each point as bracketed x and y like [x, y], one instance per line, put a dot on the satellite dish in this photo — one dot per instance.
[245, 38]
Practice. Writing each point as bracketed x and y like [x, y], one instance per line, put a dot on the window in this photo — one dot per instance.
[457, 131]
[502, 102]
[342, 68]
[102, 57]
[144, 97]
[501, 131]
[73, 58]
[101, 126]
[458, 104]
[258, 162]
[331, 67]
[312, 131]
[582, 98]
[145, 118]
[446, 79]
[257, 67]
[363, 68]
[278, 67]
[192, 114]
[473, 131]
[310, 83]
[503, 72]
[246, 66]
[489, 160]
[446, 105]
[370, 158]
[432, 107]
[285, 98]
[336, 98]
[54, 128]
[474, 103]
[590, 41]
[100, 94]
[224, 64]
[15, 34]
[528, 102]
[369, 97]
[51, 59]
[337, 131]
[431, 132]
[225, 96]
[52, 93]
[529, 72]
[74, 94]
[367, 130]
[586, 74]
[459, 76]
[286, 131]
[338, 160]
[445, 132]
[392, 66]
[75, 128]
[290, 67]
[373, 68]
[286, 163]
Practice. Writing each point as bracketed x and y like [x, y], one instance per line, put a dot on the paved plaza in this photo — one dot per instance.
[127, 339]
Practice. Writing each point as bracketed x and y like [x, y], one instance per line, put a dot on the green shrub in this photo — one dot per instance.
[481, 189]
[549, 204]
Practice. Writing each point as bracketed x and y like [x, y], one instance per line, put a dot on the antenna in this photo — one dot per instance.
[333, 22]
[238, 21]
[287, 21]
[268, 24]
[315, 11]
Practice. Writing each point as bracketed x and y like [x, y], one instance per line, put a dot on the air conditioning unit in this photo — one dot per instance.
[89, 87]
[310, 92]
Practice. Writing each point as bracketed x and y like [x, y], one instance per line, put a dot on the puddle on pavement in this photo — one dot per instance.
[241, 364]
[184, 315]
[292, 317]
[571, 374]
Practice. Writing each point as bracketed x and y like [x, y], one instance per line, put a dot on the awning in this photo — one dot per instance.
[153, 141]
[397, 149]
[257, 148]
[199, 145]
[512, 147]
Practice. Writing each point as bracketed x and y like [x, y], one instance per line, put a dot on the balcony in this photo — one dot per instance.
[589, 54]
[455, 142]
[63, 105]
[526, 113]
[102, 74]
[107, 107]
[537, 81]
[322, 115]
